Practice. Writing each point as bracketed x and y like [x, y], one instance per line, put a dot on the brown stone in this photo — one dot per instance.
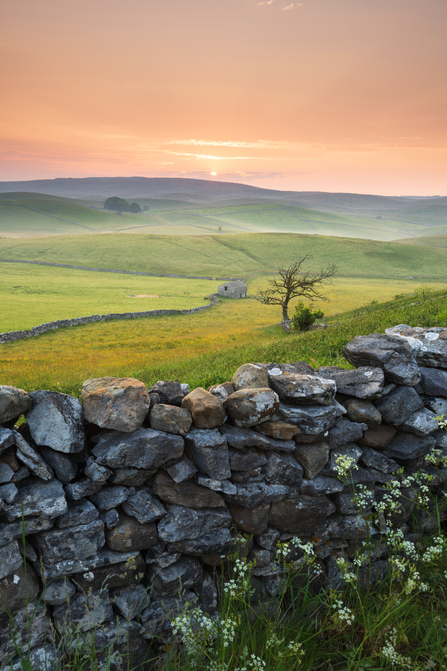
[14, 593]
[186, 493]
[114, 575]
[360, 410]
[221, 390]
[275, 428]
[9, 457]
[250, 520]
[250, 376]
[207, 410]
[313, 457]
[248, 407]
[170, 418]
[129, 535]
[119, 403]
[301, 514]
[379, 437]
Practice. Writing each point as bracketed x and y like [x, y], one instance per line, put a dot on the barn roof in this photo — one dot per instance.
[235, 283]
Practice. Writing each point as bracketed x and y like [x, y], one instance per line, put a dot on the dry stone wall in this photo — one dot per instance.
[154, 487]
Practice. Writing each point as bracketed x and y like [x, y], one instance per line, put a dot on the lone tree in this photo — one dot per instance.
[293, 282]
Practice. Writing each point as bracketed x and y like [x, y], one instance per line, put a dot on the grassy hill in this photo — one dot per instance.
[428, 241]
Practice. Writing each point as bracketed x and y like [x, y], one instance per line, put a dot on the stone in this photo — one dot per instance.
[20, 633]
[118, 403]
[110, 497]
[9, 493]
[297, 389]
[41, 658]
[312, 420]
[312, 458]
[22, 473]
[350, 450]
[429, 345]
[345, 432]
[434, 382]
[217, 542]
[84, 612]
[256, 475]
[437, 405]
[365, 382]
[6, 438]
[255, 494]
[57, 421]
[9, 455]
[103, 558]
[379, 437]
[45, 499]
[188, 493]
[440, 437]
[390, 353]
[250, 520]
[408, 446]
[260, 556]
[10, 559]
[130, 477]
[363, 412]
[422, 422]
[64, 466]
[13, 403]
[32, 460]
[144, 448]
[240, 438]
[130, 601]
[300, 367]
[209, 452]
[224, 486]
[58, 592]
[348, 527]
[171, 393]
[182, 574]
[301, 515]
[346, 505]
[157, 617]
[250, 376]
[248, 407]
[144, 506]
[283, 469]
[76, 542]
[206, 409]
[78, 512]
[79, 490]
[6, 473]
[207, 592]
[398, 405]
[129, 535]
[278, 429]
[13, 530]
[269, 538]
[246, 459]
[221, 390]
[110, 518]
[17, 589]
[373, 459]
[186, 523]
[96, 472]
[120, 574]
[182, 470]
[321, 485]
[171, 419]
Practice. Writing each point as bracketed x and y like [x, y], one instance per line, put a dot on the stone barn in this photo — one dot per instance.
[236, 289]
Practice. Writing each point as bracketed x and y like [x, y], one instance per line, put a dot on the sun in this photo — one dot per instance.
[213, 173]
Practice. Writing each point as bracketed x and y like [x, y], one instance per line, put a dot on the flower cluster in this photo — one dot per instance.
[344, 464]
[390, 653]
[254, 663]
[345, 570]
[240, 584]
[194, 628]
[437, 457]
[344, 614]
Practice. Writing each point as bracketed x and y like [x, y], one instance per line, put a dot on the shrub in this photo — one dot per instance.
[303, 317]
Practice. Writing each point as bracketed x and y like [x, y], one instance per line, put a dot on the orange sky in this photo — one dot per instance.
[330, 95]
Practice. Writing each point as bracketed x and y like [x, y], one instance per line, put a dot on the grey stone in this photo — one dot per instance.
[157, 617]
[321, 486]
[126, 570]
[84, 612]
[408, 446]
[346, 505]
[345, 432]
[246, 459]
[260, 556]
[79, 512]
[13, 530]
[45, 499]
[41, 658]
[250, 376]
[16, 590]
[171, 419]
[96, 472]
[429, 345]
[364, 382]
[390, 353]
[144, 507]
[399, 405]
[224, 486]
[311, 419]
[434, 382]
[32, 460]
[6, 438]
[20, 631]
[188, 493]
[440, 437]
[110, 497]
[209, 451]
[77, 542]
[119, 403]
[21, 474]
[62, 464]
[240, 438]
[104, 557]
[207, 593]
[57, 421]
[171, 393]
[373, 459]
[171, 580]
[350, 450]
[422, 422]
[256, 475]
[9, 493]
[300, 367]
[303, 389]
[10, 559]
[437, 405]
[248, 407]
[145, 448]
[129, 535]
[255, 494]
[268, 539]
[6, 473]
[217, 542]
[13, 403]
[350, 527]
[130, 601]
[363, 411]
[130, 477]
[301, 514]
[58, 592]
[283, 469]
[185, 523]
[79, 490]
[182, 470]
[312, 458]
[110, 518]
[250, 520]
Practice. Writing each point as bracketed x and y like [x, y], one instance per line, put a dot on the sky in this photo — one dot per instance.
[318, 95]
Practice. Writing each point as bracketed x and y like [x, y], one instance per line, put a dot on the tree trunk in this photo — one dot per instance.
[285, 314]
